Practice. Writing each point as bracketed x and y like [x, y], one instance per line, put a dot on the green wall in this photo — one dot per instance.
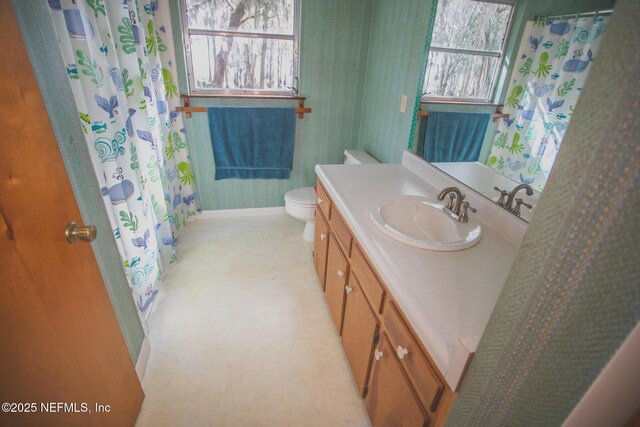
[398, 33]
[333, 46]
[44, 52]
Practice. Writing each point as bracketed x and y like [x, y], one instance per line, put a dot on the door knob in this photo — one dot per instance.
[74, 232]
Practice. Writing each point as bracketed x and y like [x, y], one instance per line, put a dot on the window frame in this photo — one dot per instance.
[495, 78]
[240, 93]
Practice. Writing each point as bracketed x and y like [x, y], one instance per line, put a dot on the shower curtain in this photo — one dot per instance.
[120, 62]
[551, 67]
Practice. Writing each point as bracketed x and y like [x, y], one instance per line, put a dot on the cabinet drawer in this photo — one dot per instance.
[320, 247]
[422, 376]
[323, 201]
[341, 231]
[371, 286]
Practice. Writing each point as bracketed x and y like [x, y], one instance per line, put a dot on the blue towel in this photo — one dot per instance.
[454, 137]
[252, 142]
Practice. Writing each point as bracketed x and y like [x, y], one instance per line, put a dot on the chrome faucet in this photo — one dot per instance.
[456, 207]
[454, 195]
[509, 203]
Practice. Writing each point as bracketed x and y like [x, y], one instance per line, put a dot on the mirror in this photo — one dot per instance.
[550, 68]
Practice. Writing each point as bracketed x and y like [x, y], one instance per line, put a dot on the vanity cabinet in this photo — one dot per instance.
[359, 331]
[320, 247]
[336, 280]
[391, 401]
[390, 366]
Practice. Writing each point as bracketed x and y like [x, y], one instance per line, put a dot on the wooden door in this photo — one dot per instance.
[337, 273]
[60, 342]
[390, 401]
[359, 329]
[320, 246]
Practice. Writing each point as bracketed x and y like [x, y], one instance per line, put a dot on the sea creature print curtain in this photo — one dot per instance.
[120, 61]
[552, 65]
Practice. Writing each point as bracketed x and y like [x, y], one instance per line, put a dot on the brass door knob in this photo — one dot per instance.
[74, 232]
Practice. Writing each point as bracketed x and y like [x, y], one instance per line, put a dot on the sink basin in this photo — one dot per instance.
[420, 221]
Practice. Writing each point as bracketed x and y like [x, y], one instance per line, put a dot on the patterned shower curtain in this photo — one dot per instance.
[120, 61]
[552, 65]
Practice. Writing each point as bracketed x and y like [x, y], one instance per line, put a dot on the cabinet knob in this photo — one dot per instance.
[348, 289]
[323, 236]
[402, 352]
[320, 200]
[340, 274]
[377, 354]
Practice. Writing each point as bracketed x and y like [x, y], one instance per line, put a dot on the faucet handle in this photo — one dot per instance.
[502, 201]
[464, 216]
[516, 209]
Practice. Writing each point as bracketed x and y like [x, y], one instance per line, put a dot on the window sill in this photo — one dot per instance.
[449, 101]
[231, 95]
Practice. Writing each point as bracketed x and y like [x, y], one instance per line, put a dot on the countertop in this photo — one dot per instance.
[446, 296]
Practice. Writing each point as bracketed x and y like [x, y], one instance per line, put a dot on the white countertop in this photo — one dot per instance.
[446, 296]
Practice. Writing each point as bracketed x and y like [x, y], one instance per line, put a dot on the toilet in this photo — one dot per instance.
[300, 203]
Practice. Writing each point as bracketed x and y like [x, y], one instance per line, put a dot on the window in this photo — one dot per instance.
[239, 47]
[466, 50]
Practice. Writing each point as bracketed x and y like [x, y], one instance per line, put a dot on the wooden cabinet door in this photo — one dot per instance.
[337, 272]
[359, 329]
[320, 247]
[390, 400]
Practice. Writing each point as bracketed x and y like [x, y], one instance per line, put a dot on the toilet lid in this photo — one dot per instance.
[302, 196]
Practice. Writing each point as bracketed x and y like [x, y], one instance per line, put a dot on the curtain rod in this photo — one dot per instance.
[574, 15]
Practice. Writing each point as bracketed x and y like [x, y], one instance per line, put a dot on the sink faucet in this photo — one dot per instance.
[454, 194]
[509, 204]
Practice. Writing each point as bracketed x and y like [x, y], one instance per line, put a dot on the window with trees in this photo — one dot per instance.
[239, 47]
[467, 46]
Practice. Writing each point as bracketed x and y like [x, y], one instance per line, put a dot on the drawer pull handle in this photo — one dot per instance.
[402, 352]
[348, 289]
[340, 274]
[378, 354]
[320, 200]
[323, 236]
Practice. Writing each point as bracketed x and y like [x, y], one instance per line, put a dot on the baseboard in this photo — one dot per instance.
[238, 213]
[143, 358]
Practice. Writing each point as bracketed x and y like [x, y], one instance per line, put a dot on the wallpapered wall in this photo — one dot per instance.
[396, 44]
[333, 48]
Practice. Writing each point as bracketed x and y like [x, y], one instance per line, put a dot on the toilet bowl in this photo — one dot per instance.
[301, 204]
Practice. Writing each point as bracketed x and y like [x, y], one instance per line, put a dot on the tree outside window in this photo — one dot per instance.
[241, 46]
[466, 50]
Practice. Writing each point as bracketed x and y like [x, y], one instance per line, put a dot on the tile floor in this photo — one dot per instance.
[241, 335]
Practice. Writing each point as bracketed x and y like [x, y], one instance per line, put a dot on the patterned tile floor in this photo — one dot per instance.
[241, 336]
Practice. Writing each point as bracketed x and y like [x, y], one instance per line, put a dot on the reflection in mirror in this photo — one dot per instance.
[550, 69]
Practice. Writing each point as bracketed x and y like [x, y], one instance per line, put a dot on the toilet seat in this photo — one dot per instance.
[301, 196]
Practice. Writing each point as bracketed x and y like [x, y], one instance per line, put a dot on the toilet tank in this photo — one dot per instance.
[353, 157]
